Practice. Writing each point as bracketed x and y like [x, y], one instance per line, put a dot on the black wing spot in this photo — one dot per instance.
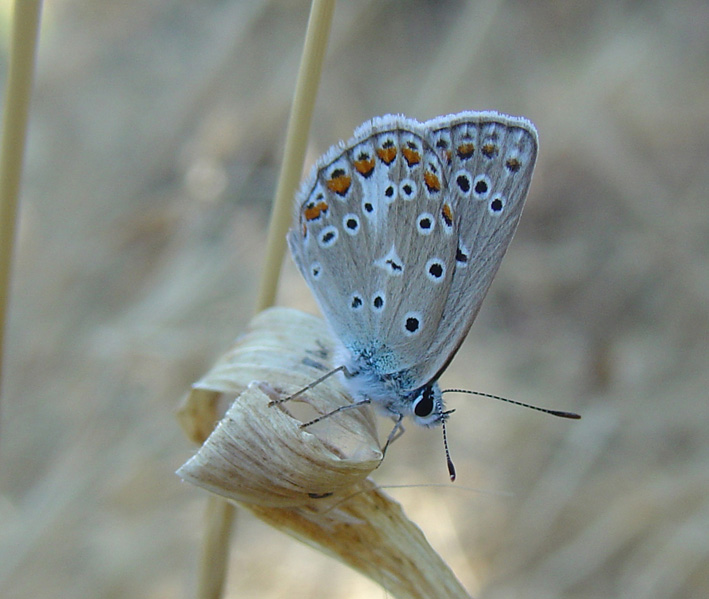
[496, 205]
[463, 183]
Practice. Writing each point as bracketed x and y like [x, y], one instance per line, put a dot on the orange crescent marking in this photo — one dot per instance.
[340, 184]
[387, 154]
[513, 164]
[314, 212]
[489, 150]
[432, 182]
[412, 156]
[465, 150]
[364, 167]
[447, 214]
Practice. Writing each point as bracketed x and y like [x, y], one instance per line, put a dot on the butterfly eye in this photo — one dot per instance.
[423, 404]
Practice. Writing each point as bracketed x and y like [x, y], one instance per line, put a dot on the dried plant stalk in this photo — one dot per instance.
[23, 49]
[215, 544]
[308, 483]
[301, 116]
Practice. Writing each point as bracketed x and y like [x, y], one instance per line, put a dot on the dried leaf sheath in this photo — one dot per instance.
[309, 484]
[260, 455]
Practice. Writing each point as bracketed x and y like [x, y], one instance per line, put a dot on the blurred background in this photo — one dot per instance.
[156, 135]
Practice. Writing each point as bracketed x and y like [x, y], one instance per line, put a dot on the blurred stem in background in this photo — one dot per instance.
[23, 47]
[220, 513]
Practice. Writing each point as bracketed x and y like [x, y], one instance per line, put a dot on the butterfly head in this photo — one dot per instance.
[427, 405]
[427, 410]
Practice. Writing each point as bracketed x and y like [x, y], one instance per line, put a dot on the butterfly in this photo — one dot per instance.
[399, 233]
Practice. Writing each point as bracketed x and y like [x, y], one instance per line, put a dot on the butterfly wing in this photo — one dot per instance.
[489, 159]
[376, 242]
[400, 232]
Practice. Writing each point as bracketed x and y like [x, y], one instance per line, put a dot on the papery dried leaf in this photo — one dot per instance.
[308, 482]
[259, 454]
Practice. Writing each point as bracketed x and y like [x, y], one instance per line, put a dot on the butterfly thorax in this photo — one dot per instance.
[391, 392]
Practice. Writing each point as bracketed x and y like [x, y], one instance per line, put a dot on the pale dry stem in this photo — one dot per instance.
[215, 544]
[23, 47]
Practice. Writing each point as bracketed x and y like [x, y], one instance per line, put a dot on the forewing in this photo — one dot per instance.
[376, 242]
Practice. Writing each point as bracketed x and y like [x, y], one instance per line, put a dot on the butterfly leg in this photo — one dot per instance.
[359, 404]
[395, 433]
[276, 402]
